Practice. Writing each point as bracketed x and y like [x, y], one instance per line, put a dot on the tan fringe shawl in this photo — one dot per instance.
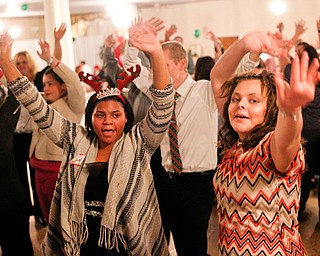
[131, 215]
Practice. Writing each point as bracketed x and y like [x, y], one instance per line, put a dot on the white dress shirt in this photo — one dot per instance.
[197, 121]
[196, 113]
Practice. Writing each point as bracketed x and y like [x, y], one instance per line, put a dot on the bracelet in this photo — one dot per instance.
[285, 114]
[50, 61]
[58, 62]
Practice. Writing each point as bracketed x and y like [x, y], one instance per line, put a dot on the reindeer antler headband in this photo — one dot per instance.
[95, 82]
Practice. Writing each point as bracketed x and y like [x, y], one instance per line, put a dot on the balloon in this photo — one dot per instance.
[24, 7]
[196, 33]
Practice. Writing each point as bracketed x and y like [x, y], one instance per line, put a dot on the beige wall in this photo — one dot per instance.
[89, 31]
[227, 18]
[31, 27]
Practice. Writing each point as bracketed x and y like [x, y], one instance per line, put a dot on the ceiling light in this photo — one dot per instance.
[121, 14]
[14, 32]
[278, 7]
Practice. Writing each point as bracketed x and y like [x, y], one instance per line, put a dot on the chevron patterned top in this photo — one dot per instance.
[258, 206]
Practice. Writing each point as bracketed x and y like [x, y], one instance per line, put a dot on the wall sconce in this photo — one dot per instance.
[278, 7]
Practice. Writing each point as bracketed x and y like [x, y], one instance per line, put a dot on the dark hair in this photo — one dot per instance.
[261, 65]
[222, 49]
[91, 105]
[227, 136]
[103, 75]
[312, 53]
[203, 68]
[54, 74]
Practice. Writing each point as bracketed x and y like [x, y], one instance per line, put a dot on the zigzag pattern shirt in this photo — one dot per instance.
[258, 206]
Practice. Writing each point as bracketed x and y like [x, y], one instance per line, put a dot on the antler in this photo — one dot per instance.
[92, 80]
[95, 81]
[128, 78]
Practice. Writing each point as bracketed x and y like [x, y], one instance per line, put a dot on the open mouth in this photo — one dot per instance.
[241, 117]
[107, 131]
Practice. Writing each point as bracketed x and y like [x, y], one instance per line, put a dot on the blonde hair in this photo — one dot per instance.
[177, 51]
[33, 68]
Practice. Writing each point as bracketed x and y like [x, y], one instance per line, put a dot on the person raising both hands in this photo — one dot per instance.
[63, 91]
[258, 181]
[104, 202]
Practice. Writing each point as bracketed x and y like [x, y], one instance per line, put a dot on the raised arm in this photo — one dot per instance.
[76, 96]
[143, 35]
[45, 53]
[225, 68]
[110, 63]
[153, 127]
[58, 34]
[301, 91]
[170, 32]
[131, 57]
[9, 69]
[217, 45]
[299, 30]
[27, 94]
[280, 28]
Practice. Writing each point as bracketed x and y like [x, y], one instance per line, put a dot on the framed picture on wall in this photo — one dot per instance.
[196, 50]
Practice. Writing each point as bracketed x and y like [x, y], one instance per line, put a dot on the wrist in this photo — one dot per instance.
[294, 114]
[56, 64]
[157, 51]
[254, 57]
[49, 62]
[241, 47]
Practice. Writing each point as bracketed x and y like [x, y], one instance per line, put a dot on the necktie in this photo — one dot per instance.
[173, 138]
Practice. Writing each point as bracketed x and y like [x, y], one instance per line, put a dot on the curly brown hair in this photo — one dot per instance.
[227, 136]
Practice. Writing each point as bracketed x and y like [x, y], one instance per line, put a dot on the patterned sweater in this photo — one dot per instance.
[131, 212]
[258, 206]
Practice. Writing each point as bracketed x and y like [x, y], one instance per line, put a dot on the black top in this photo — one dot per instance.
[311, 113]
[11, 191]
[94, 198]
[38, 79]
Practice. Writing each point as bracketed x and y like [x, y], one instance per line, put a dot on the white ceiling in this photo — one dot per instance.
[35, 7]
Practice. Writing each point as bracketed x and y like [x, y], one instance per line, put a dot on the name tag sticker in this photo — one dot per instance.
[77, 160]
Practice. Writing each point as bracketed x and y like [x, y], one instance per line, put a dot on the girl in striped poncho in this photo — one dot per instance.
[104, 202]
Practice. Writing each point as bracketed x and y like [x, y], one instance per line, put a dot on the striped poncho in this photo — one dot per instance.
[131, 213]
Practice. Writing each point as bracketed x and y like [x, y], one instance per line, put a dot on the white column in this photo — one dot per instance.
[56, 12]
